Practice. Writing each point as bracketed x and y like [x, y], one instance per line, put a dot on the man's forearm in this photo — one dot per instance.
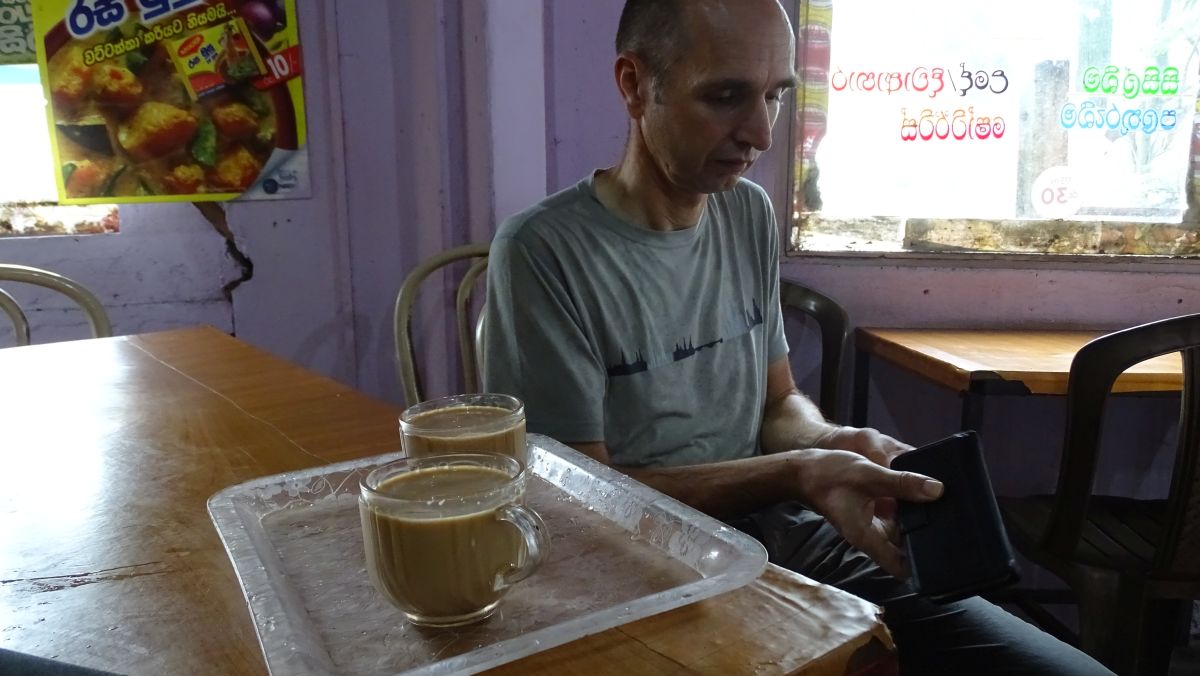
[793, 421]
[727, 489]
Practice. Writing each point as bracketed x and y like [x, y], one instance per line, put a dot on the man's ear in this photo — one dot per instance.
[633, 81]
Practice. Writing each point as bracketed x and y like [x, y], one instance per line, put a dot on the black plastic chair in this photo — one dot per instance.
[1133, 566]
[834, 325]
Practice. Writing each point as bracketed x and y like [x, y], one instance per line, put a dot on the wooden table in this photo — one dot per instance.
[110, 449]
[991, 361]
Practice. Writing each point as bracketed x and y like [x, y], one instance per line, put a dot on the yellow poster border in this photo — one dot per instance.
[47, 14]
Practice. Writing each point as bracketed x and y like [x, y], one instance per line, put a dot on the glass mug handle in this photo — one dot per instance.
[537, 543]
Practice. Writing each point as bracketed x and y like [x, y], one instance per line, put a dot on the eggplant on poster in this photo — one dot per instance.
[173, 100]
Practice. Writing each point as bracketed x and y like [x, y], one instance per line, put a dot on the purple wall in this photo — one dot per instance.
[586, 124]
[419, 167]
[165, 269]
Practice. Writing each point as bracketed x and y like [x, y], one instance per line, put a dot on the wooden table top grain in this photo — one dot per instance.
[110, 449]
[1041, 360]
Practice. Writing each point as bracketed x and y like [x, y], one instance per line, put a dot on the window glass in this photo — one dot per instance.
[27, 190]
[26, 164]
[1036, 125]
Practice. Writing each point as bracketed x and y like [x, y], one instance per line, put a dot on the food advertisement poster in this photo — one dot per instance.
[173, 100]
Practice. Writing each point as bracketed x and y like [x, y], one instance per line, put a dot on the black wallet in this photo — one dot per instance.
[957, 546]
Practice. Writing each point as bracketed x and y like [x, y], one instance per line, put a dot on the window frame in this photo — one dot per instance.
[797, 112]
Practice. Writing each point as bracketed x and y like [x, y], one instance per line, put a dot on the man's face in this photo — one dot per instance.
[717, 106]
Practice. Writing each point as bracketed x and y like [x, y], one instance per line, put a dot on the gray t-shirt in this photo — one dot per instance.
[656, 343]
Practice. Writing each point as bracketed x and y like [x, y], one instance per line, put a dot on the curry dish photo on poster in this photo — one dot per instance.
[173, 100]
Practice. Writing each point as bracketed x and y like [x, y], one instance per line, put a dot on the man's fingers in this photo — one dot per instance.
[908, 486]
[864, 441]
[917, 487]
[897, 449]
[886, 508]
[879, 458]
[875, 544]
[875, 448]
[891, 528]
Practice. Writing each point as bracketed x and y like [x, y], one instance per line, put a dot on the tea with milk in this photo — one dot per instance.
[441, 564]
[465, 429]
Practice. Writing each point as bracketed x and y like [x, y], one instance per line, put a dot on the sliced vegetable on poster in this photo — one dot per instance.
[173, 100]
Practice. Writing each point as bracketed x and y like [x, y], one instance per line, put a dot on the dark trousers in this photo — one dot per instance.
[970, 637]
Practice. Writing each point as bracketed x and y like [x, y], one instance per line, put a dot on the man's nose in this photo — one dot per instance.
[755, 127]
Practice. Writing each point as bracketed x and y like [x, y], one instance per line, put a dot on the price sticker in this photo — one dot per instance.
[1054, 194]
[281, 67]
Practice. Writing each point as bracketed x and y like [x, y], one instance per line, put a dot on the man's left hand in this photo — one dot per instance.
[867, 442]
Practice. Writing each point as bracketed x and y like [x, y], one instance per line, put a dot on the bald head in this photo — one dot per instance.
[658, 31]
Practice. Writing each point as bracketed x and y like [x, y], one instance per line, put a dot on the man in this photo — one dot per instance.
[637, 315]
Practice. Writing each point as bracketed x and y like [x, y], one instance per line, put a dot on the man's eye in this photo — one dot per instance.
[725, 96]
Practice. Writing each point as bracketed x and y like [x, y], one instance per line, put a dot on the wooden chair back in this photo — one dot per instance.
[96, 316]
[468, 330]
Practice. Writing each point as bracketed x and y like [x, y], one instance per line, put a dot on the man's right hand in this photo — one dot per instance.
[857, 496]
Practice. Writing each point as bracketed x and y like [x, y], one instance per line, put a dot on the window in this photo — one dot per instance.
[1038, 126]
[27, 190]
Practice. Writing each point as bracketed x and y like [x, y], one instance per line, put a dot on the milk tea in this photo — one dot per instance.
[440, 568]
[465, 429]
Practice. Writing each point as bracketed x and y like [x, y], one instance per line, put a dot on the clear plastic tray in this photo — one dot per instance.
[619, 552]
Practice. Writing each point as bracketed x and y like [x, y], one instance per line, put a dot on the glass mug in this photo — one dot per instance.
[446, 537]
[465, 423]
